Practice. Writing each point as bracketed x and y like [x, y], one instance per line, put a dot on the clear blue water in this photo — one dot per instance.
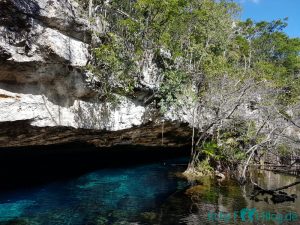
[149, 194]
[106, 196]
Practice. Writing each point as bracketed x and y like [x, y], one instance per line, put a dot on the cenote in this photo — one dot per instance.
[123, 185]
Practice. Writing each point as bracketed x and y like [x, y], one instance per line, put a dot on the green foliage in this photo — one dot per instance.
[227, 151]
[273, 56]
[231, 154]
[283, 150]
[210, 148]
[195, 33]
[231, 141]
[172, 86]
[202, 40]
[195, 43]
[204, 167]
[113, 67]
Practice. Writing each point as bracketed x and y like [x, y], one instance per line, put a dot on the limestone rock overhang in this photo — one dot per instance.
[21, 133]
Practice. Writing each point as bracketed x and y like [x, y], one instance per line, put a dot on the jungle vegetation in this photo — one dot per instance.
[237, 81]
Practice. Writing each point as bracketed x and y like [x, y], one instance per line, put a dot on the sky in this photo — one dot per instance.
[269, 10]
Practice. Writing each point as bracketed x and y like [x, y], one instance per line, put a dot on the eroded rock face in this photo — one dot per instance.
[21, 133]
[63, 15]
[78, 114]
[43, 51]
[46, 97]
[34, 51]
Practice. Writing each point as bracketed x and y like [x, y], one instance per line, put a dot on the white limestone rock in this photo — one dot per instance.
[81, 114]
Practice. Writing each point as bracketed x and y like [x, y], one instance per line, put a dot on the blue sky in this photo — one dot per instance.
[274, 9]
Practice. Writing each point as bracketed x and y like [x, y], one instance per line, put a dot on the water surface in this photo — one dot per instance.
[142, 194]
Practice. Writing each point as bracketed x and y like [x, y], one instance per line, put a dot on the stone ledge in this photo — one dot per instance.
[21, 133]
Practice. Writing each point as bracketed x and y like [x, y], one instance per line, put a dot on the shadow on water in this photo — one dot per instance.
[117, 192]
[29, 166]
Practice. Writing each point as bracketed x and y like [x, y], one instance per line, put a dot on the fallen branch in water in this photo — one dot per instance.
[276, 189]
[277, 195]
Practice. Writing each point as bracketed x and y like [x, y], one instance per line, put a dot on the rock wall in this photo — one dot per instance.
[44, 47]
[46, 97]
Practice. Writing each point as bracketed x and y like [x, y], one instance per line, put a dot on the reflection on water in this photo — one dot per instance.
[148, 194]
[230, 198]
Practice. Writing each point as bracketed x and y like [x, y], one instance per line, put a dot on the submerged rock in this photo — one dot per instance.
[196, 190]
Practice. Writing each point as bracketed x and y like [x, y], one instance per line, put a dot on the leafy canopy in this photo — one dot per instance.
[203, 40]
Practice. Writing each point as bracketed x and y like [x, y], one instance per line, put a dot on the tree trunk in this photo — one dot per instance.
[90, 8]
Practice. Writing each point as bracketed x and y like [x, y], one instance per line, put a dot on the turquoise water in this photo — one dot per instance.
[106, 196]
[150, 194]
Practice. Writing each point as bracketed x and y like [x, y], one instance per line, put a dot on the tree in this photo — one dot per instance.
[209, 64]
[266, 74]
